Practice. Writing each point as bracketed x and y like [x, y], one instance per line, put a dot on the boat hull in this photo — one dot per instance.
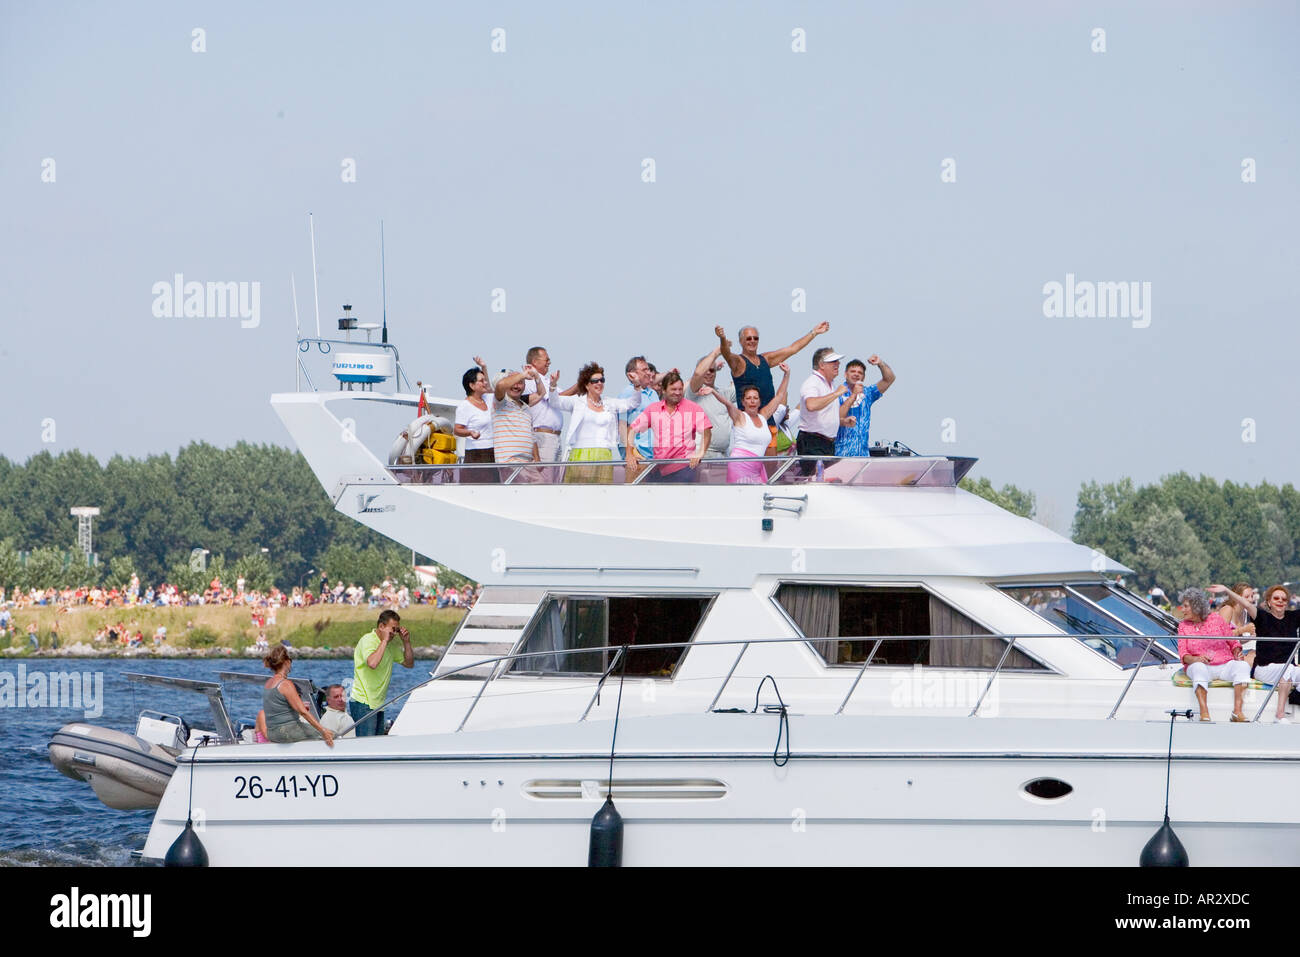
[865, 791]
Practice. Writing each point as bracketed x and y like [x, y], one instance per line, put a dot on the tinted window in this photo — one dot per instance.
[1145, 621]
[567, 630]
[903, 617]
[1073, 614]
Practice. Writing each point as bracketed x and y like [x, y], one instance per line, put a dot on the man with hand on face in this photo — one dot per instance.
[679, 429]
[640, 391]
[372, 662]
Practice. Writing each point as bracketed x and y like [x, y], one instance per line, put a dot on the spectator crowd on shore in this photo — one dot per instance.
[262, 605]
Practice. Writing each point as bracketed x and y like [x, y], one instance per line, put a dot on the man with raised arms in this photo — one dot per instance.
[547, 420]
[754, 368]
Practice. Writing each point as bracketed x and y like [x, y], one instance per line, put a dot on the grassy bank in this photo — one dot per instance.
[215, 626]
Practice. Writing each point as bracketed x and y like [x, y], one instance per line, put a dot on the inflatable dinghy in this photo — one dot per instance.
[127, 772]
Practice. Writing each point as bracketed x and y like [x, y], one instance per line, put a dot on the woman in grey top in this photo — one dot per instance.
[282, 705]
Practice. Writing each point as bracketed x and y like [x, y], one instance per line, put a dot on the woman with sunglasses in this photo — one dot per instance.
[1277, 626]
[593, 426]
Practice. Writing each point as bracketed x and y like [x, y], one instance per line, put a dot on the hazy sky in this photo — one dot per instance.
[774, 170]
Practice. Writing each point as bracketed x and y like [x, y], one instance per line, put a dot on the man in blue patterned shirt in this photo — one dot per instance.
[855, 407]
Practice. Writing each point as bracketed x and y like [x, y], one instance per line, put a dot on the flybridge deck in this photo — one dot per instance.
[882, 515]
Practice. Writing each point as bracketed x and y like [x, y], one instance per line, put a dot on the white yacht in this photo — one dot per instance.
[870, 666]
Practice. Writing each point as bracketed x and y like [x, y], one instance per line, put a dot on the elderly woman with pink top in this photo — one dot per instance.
[1209, 652]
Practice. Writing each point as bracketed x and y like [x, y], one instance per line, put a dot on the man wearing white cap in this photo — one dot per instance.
[819, 408]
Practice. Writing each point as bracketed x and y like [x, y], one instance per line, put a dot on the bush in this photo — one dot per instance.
[201, 637]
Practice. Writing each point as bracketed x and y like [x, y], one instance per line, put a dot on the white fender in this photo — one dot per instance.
[398, 450]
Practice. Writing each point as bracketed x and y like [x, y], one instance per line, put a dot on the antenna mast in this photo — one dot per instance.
[383, 281]
[315, 288]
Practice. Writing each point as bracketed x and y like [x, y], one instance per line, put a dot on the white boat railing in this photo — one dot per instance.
[877, 471]
[499, 665]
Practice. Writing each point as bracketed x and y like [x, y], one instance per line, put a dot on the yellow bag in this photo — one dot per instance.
[434, 457]
[441, 442]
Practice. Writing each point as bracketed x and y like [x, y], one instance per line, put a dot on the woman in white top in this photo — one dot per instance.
[750, 435]
[474, 424]
[593, 426]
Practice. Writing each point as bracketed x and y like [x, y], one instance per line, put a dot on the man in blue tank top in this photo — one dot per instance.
[754, 368]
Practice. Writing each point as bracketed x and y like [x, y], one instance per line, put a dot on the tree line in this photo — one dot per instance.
[257, 512]
[1181, 530]
[251, 511]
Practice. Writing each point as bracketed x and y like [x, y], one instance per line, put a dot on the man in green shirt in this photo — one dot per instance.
[373, 661]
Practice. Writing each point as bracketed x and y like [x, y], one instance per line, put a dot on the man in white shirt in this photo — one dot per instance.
[706, 373]
[547, 420]
[336, 716]
[719, 441]
[819, 408]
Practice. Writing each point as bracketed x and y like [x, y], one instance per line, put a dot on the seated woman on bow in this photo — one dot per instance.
[1209, 652]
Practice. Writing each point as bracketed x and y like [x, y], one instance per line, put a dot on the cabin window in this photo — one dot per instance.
[569, 631]
[1100, 616]
[910, 618]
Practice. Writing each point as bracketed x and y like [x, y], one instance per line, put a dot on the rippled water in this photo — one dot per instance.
[48, 819]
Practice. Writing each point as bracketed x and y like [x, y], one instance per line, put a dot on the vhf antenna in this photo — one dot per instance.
[383, 281]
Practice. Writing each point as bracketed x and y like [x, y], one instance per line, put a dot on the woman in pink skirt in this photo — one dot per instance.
[750, 435]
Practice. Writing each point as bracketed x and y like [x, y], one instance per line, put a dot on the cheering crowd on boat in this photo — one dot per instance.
[728, 405]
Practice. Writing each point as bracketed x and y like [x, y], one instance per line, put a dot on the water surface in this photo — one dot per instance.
[49, 819]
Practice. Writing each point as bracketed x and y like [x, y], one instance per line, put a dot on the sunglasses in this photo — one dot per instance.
[597, 378]
[750, 339]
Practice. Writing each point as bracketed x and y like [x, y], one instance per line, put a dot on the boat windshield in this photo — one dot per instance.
[1101, 618]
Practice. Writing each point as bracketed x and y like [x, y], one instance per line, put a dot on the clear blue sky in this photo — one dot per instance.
[775, 170]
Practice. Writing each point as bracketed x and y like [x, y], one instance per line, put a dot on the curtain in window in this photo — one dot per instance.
[548, 635]
[816, 611]
[975, 653]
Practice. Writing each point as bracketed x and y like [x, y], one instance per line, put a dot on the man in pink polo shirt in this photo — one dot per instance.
[680, 430]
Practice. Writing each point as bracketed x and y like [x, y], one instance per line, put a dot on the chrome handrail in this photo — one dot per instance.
[1124, 693]
[601, 683]
[1273, 687]
[734, 665]
[1005, 653]
[496, 672]
[513, 470]
[861, 671]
